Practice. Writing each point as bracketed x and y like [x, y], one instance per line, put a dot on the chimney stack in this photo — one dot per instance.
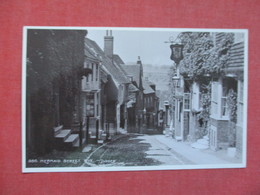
[141, 65]
[109, 44]
[139, 60]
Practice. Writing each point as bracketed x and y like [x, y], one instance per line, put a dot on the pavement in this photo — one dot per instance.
[197, 156]
[161, 152]
[143, 149]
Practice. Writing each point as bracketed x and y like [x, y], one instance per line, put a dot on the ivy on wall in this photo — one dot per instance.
[232, 105]
[204, 55]
[54, 59]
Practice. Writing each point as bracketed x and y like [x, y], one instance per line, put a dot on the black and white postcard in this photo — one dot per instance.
[121, 99]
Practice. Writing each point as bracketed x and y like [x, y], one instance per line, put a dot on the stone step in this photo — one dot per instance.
[76, 144]
[203, 142]
[63, 134]
[178, 138]
[87, 148]
[100, 141]
[92, 137]
[57, 129]
[72, 139]
[197, 145]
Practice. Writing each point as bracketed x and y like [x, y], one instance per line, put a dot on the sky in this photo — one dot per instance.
[129, 44]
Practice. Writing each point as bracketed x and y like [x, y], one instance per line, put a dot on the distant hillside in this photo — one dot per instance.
[159, 76]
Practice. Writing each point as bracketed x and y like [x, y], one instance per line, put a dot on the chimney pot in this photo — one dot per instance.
[109, 44]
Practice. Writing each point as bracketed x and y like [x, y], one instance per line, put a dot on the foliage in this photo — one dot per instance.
[204, 115]
[54, 58]
[206, 102]
[201, 56]
[51, 54]
[232, 105]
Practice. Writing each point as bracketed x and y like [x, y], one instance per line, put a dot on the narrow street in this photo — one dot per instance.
[135, 150]
[161, 152]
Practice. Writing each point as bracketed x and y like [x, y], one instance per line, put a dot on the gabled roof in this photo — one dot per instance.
[90, 52]
[103, 76]
[134, 71]
[149, 82]
[93, 50]
[117, 59]
[133, 88]
[91, 55]
[147, 87]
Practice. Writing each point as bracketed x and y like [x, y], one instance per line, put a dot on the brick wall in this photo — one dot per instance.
[222, 132]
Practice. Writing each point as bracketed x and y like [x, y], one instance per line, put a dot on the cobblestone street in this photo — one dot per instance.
[148, 150]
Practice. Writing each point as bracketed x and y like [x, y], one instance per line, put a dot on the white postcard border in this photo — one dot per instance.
[132, 168]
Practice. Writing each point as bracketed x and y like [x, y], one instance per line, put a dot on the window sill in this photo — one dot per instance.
[219, 118]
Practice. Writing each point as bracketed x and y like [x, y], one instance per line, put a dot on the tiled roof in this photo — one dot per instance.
[147, 88]
[103, 76]
[91, 54]
[149, 82]
[132, 97]
[117, 59]
[94, 50]
[134, 71]
[132, 88]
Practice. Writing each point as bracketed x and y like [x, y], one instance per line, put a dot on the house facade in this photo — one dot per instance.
[180, 113]
[55, 60]
[136, 111]
[90, 96]
[151, 107]
[110, 89]
[209, 109]
[227, 107]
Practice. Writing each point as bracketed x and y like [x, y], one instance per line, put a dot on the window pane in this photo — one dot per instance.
[187, 101]
[224, 111]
